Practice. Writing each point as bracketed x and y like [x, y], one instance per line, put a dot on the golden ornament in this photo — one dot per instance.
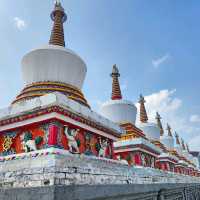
[7, 143]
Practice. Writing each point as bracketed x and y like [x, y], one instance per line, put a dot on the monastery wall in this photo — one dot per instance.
[59, 167]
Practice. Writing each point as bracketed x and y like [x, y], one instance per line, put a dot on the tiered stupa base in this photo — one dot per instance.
[41, 88]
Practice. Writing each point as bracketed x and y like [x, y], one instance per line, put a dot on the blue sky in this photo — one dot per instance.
[156, 45]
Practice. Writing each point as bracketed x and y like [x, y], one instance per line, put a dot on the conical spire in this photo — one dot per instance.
[183, 144]
[59, 17]
[187, 147]
[116, 91]
[169, 129]
[159, 123]
[143, 113]
[177, 139]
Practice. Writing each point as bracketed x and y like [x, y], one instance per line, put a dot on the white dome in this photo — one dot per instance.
[168, 141]
[119, 111]
[53, 63]
[151, 130]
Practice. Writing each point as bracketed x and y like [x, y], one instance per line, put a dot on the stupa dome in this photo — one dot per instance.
[53, 63]
[119, 111]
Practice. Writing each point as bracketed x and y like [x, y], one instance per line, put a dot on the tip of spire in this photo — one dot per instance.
[158, 116]
[115, 71]
[169, 130]
[176, 134]
[177, 138]
[58, 4]
[187, 146]
[141, 99]
[58, 8]
[183, 143]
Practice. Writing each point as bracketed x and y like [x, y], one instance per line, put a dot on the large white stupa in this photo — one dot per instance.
[53, 68]
[118, 110]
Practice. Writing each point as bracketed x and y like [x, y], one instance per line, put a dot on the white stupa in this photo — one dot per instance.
[53, 68]
[117, 109]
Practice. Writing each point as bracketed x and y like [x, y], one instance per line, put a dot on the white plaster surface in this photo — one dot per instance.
[119, 111]
[53, 63]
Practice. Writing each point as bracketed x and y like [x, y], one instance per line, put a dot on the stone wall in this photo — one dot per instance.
[105, 192]
[55, 174]
[58, 167]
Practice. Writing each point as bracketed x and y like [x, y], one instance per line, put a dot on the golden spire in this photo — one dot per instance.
[177, 138]
[59, 17]
[116, 91]
[159, 123]
[169, 129]
[143, 113]
[183, 144]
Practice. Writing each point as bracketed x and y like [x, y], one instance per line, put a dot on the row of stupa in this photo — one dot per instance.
[145, 144]
[52, 112]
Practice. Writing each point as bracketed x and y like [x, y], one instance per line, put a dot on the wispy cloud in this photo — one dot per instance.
[163, 102]
[195, 118]
[159, 61]
[19, 23]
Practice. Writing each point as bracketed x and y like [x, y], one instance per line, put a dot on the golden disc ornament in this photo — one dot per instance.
[7, 143]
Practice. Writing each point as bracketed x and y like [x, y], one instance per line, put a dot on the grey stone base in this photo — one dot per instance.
[67, 169]
[105, 192]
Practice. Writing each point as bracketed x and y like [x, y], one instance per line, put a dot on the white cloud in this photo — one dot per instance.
[19, 23]
[164, 102]
[159, 61]
[195, 118]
